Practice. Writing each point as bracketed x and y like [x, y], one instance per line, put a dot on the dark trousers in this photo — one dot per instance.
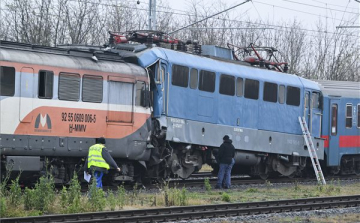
[225, 174]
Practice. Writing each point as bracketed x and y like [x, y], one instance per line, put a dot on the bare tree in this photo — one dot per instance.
[320, 54]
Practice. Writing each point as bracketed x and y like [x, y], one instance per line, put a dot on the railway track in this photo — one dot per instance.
[197, 180]
[198, 212]
[243, 180]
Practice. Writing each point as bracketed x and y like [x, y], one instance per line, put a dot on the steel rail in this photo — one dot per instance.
[198, 182]
[198, 212]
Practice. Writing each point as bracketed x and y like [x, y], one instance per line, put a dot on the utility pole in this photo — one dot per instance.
[152, 14]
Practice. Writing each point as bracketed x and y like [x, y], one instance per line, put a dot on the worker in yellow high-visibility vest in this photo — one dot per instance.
[99, 161]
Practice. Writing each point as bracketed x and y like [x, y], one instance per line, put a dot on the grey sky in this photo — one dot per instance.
[307, 12]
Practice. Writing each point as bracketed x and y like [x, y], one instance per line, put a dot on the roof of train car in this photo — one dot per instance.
[348, 89]
[67, 58]
[150, 56]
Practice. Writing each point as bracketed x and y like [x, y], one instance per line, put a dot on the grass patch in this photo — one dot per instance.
[207, 184]
[44, 199]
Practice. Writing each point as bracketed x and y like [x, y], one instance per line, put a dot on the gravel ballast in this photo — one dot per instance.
[274, 218]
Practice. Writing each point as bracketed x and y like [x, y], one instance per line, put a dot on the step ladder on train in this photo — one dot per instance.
[312, 152]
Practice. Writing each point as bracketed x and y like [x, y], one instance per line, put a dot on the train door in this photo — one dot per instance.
[307, 110]
[312, 112]
[333, 155]
[26, 94]
[160, 92]
[316, 114]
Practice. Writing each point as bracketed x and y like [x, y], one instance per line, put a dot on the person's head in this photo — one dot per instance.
[100, 140]
[226, 137]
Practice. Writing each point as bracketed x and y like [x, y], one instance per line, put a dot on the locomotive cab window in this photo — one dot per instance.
[142, 97]
[69, 87]
[251, 89]
[180, 75]
[348, 115]
[239, 87]
[306, 99]
[92, 88]
[207, 81]
[270, 92]
[293, 96]
[7, 81]
[193, 78]
[315, 100]
[45, 88]
[227, 85]
[281, 94]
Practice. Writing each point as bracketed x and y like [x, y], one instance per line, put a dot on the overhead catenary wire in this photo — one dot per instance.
[295, 10]
[285, 27]
[275, 27]
[316, 6]
[228, 28]
[233, 20]
[177, 30]
[326, 3]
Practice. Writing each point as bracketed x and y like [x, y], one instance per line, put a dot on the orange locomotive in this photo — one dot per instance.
[55, 101]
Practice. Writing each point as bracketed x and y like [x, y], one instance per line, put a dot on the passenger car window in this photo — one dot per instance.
[207, 81]
[251, 89]
[334, 112]
[180, 75]
[69, 87]
[7, 81]
[92, 88]
[348, 116]
[358, 116]
[270, 92]
[293, 96]
[227, 85]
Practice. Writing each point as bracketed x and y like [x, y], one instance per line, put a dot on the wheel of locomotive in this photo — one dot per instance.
[180, 168]
[264, 176]
[292, 175]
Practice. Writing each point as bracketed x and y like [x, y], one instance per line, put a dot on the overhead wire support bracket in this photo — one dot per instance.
[209, 17]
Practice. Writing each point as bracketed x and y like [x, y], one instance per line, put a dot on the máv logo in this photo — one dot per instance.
[42, 121]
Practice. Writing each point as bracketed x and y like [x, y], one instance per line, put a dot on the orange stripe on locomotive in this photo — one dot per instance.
[36, 122]
[95, 126]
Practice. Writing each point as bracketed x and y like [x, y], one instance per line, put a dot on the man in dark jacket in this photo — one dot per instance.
[226, 162]
[99, 161]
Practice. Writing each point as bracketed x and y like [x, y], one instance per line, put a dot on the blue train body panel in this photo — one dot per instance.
[193, 106]
[341, 124]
